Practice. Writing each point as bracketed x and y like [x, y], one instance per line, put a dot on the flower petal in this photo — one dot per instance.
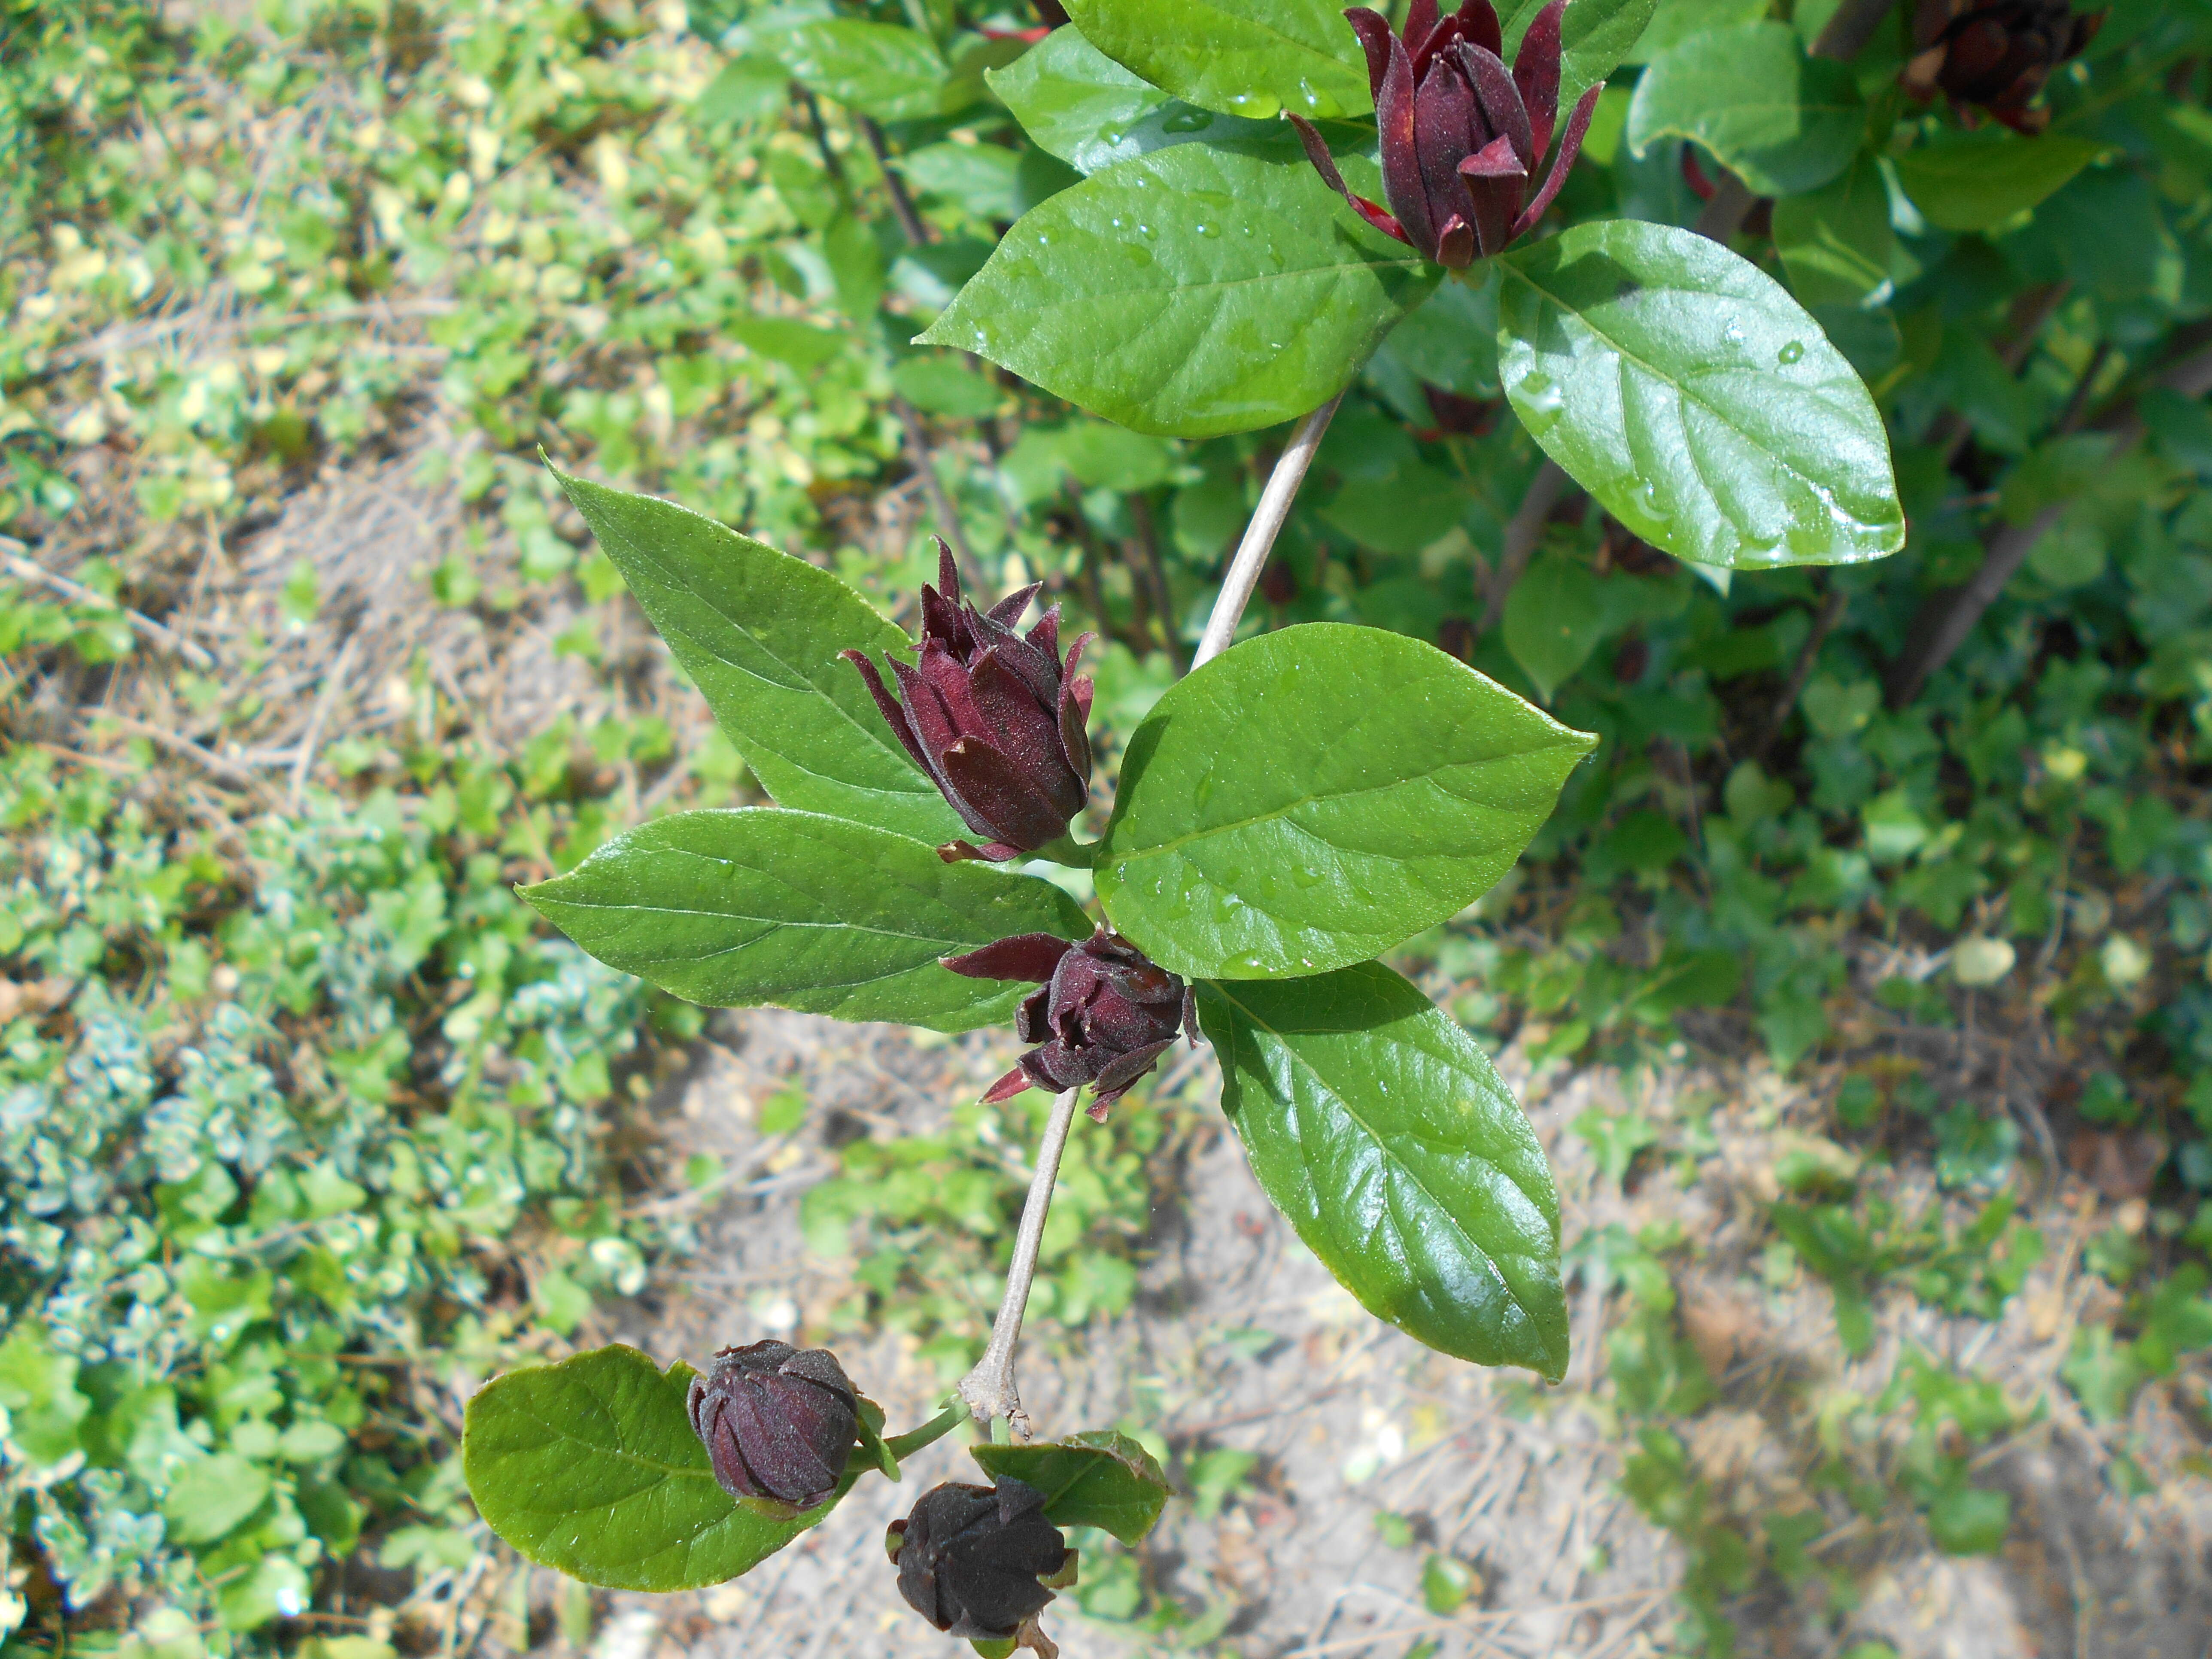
[1025, 731]
[1570, 146]
[1536, 73]
[1500, 98]
[1394, 125]
[1495, 179]
[1000, 794]
[1031, 956]
[887, 705]
[1075, 713]
[1446, 124]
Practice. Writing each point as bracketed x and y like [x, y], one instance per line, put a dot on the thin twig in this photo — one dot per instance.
[1525, 530]
[1850, 26]
[1148, 542]
[989, 1388]
[910, 219]
[305, 759]
[1830, 613]
[830, 164]
[941, 502]
[236, 775]
[13, 553]
[1251, 557]
[1724, 213]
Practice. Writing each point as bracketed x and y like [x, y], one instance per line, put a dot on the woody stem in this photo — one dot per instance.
[989, 1388]
[1259, 535]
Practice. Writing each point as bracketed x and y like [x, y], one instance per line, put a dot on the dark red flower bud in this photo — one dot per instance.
[1995, 53]
[1104, 1016]
[970, 1558]
[1461, 136]
[776, 1423]
[995, 717]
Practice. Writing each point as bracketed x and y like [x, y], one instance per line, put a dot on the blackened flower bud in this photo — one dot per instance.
[777, 1423]
[971, 1559]
[995, 718]
[1995, 53]
[1460, 134]
[1104, 1015]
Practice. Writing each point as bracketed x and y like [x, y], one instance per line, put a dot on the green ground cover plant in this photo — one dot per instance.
[1958, 790]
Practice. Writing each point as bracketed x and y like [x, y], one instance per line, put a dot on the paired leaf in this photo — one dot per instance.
[1699, 402]
[759, 632]
[736, 909]
[1977, 180]
[590, 1467]
[1554, 619]
[1378, 1127]
[1313, 797]
[1781, 121]
[1190, 292]
[1249, 57]
[1102, 1478]
[1081, 106]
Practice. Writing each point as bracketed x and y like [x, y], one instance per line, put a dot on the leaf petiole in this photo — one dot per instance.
[1073, 854]
[903, 1446]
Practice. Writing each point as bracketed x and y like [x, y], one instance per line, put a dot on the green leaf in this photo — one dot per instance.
[590, 1467]
[1102, 1479]
[1595, 38]
[759, 632]
[1380, 1129]
[1249, 57]
[1554, 619]
[1675, 21]
[1191, 292]
[1969, 1520]
[736, 909]
[1699, 403]
[1977, 180]
[881, 69]
[211, 1495]
[1313, 797]
[1836, 242]
[1082, 107]
[1782, 121]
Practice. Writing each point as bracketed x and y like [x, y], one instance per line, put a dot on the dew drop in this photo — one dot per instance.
[1794, 352]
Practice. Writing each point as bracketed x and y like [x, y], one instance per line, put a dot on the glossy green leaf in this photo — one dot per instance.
[590, 1467]
[1782, 121]
[1313, 797]
[1977, 180]
[1247, 57]
[759, 632]
[1081, 106]
[1102, 1478]
[1379, 1128]
[1675, 21]
[737, 909]
[1191, 292]
[1595, 38]
[1836, 242]
[1700, 404]
[1554, 617]
[882, 69]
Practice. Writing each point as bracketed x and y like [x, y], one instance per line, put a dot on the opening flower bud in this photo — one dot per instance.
[1995, 53]
[972, 1559]
[997, 719]
[1105, 1014]
[777, 1423]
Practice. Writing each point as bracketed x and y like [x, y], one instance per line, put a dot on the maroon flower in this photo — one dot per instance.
[994, 717]
[777, 1424]
[1996, 53]
[1104, 1015]
[979, 1562]
[1461, 135]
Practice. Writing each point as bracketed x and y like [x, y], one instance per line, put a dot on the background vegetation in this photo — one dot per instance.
[304, 1123]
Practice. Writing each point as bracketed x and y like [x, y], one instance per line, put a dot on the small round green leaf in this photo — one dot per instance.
[1977, 180]
[1101, 1479]
[1313, 797]
[1378, 1127]
[1249, 57]
[590, 1467]
[739, 908]
[1190, 292]
[1700, 403]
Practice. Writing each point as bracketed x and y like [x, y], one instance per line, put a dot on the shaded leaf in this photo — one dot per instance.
[1977, 180]
[1099, 1478]
[1781, 121]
